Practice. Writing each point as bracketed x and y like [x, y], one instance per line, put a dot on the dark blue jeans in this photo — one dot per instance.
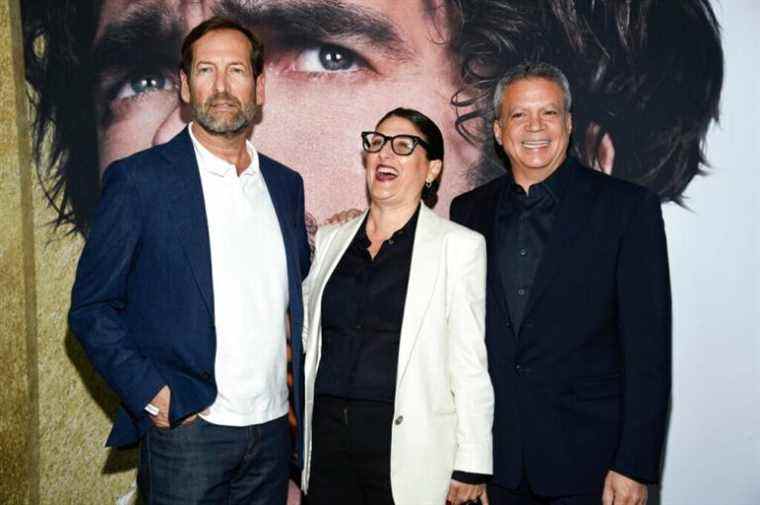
[203, 463]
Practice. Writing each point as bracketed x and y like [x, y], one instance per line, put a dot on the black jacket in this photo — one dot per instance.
[583, 385]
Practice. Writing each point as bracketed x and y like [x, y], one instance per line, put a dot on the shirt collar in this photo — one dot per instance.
[555, 185]
[213, 164]
[362, 241]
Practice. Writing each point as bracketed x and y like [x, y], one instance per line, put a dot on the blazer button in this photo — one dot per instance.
[399, 420]
[205, 376]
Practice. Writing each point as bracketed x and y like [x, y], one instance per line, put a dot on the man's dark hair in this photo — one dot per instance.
[58, 38]
[61, 69]
[434, 138]
[216, 23]
[655, 65]
[647, 73]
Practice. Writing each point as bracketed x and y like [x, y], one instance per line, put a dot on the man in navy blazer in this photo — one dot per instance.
[190, 274]
[578, 311]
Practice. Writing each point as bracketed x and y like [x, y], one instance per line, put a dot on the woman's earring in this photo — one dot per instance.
[428, 184]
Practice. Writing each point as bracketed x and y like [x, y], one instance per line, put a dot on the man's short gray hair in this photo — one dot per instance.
[538, 70]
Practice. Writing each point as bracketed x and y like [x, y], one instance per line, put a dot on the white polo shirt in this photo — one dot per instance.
[250, 281]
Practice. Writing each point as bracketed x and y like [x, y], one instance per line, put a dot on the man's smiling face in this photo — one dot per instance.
[534, 126]
[221, 84]
[332, 70]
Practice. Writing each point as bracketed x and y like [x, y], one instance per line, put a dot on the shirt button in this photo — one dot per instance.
[390, 241]
[399, 420]
[521, 292]
[523, 252]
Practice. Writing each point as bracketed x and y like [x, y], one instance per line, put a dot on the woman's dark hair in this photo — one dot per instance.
[216, 23]
[430, 131]
[434, 138]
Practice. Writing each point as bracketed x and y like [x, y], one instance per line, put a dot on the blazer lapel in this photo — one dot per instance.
[571, 220]
[189, 212]
[335, 250]
[502, 210]
[486, 216]
[422, 283]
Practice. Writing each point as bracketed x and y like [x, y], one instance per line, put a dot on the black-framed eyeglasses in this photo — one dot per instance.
[403, 145]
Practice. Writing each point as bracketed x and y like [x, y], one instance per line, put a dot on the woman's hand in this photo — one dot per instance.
[461, 493]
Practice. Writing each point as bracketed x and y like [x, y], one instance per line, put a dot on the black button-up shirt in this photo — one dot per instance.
[524, 222]
[362, 312]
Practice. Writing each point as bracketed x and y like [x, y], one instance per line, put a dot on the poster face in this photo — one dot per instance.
[644, 93]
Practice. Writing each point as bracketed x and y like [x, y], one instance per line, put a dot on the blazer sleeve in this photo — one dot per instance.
[644, 327]
[468, 364]
[99, 296]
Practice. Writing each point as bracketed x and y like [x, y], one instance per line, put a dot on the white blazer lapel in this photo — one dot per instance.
[423, 276]
[335, 250]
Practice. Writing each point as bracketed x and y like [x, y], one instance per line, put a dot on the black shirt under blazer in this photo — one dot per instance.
[583, 386]
[362, 311]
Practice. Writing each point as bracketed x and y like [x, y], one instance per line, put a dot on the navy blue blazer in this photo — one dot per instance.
[143, 303]
[583, 385]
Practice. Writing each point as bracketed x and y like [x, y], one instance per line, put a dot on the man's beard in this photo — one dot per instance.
[224, 124]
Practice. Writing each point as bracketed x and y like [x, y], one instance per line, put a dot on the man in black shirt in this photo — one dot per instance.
[578, 311]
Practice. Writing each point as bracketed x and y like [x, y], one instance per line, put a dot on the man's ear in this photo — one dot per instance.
[497, 131]
[184, 87]
[600, 152]
[260, 89]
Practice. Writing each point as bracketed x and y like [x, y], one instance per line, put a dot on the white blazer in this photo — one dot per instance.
[443, 410]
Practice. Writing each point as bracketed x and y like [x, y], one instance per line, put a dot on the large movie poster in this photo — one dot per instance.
[646, 78]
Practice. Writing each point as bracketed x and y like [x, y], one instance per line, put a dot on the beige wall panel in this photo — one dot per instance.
[17, 333]
[76, 406]
[60, 411]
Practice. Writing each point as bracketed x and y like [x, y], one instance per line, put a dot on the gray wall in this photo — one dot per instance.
[713, 452]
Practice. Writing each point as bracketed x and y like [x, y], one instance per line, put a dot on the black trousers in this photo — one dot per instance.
[350, 456]
[523, 495]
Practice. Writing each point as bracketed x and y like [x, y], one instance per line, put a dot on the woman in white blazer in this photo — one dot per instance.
[399, 404]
